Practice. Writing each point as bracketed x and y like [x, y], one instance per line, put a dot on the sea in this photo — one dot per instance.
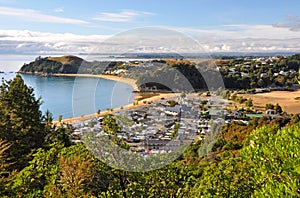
[76, 96]
[70, 96]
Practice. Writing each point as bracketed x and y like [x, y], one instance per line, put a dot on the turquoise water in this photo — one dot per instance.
[77, 96]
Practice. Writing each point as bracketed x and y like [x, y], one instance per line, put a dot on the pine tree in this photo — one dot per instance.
[20, 121]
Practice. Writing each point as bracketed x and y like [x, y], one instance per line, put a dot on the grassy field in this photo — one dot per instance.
[66, 59]
[287, 100]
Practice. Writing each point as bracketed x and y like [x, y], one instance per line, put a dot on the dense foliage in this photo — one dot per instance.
[20, 121]
[179, 76]
[67, 65]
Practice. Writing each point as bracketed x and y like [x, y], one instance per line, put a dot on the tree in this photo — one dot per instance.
[249, 103]
[57, 172]
[48, 119]
[56, 135]
[60, 117]
[278, 108]
[241, 99]
[260, 83]
[183, 95]
[20, 121]
[229, 178]
[75, 175]
[98, 112]
[226, 94]
[172, 103]
[234, 97]
[269, 106]
[280, 80]
[60, 135]
[275, 170]
[3, 179]
[111, 126]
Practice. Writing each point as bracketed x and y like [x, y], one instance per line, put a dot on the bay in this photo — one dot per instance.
[76, 96]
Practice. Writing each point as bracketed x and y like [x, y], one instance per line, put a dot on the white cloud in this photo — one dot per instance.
[61, 9]
[292, 25]
[251, 45]
[24, 41]
[34, 15]
[239, 31]
[235, 38]
[124, 16]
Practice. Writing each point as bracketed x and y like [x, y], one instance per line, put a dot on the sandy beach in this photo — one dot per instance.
[140, 101]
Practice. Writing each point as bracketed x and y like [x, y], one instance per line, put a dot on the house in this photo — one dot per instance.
[283, 73]
[244, 74]
[263, 75]
[271, 112]
[232, 70]
[174, 111]
[184, 107]
[215, 112]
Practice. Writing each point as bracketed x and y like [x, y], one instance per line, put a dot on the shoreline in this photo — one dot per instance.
[138, 98]
[129, 81]
[140, 103]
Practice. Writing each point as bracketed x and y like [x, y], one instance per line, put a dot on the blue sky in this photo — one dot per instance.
[115, 16]
[24, 21]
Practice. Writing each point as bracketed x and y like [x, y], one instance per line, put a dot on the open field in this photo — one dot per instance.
[286, 99]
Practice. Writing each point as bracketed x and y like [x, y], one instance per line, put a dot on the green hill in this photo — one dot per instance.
[66, 59]
[63, 64]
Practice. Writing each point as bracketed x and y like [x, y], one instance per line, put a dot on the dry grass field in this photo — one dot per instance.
[289, 101]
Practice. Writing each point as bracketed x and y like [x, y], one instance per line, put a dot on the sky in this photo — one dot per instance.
[65, 26]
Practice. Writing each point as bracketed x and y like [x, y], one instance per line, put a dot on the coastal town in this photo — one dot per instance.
[149, 99]
[165, 123]
[171, 127]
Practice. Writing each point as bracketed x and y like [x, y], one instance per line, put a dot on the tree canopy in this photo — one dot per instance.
[20, 121]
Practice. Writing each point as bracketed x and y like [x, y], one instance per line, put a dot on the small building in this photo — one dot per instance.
[174, 111]
[271, 112]
[263, 75]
